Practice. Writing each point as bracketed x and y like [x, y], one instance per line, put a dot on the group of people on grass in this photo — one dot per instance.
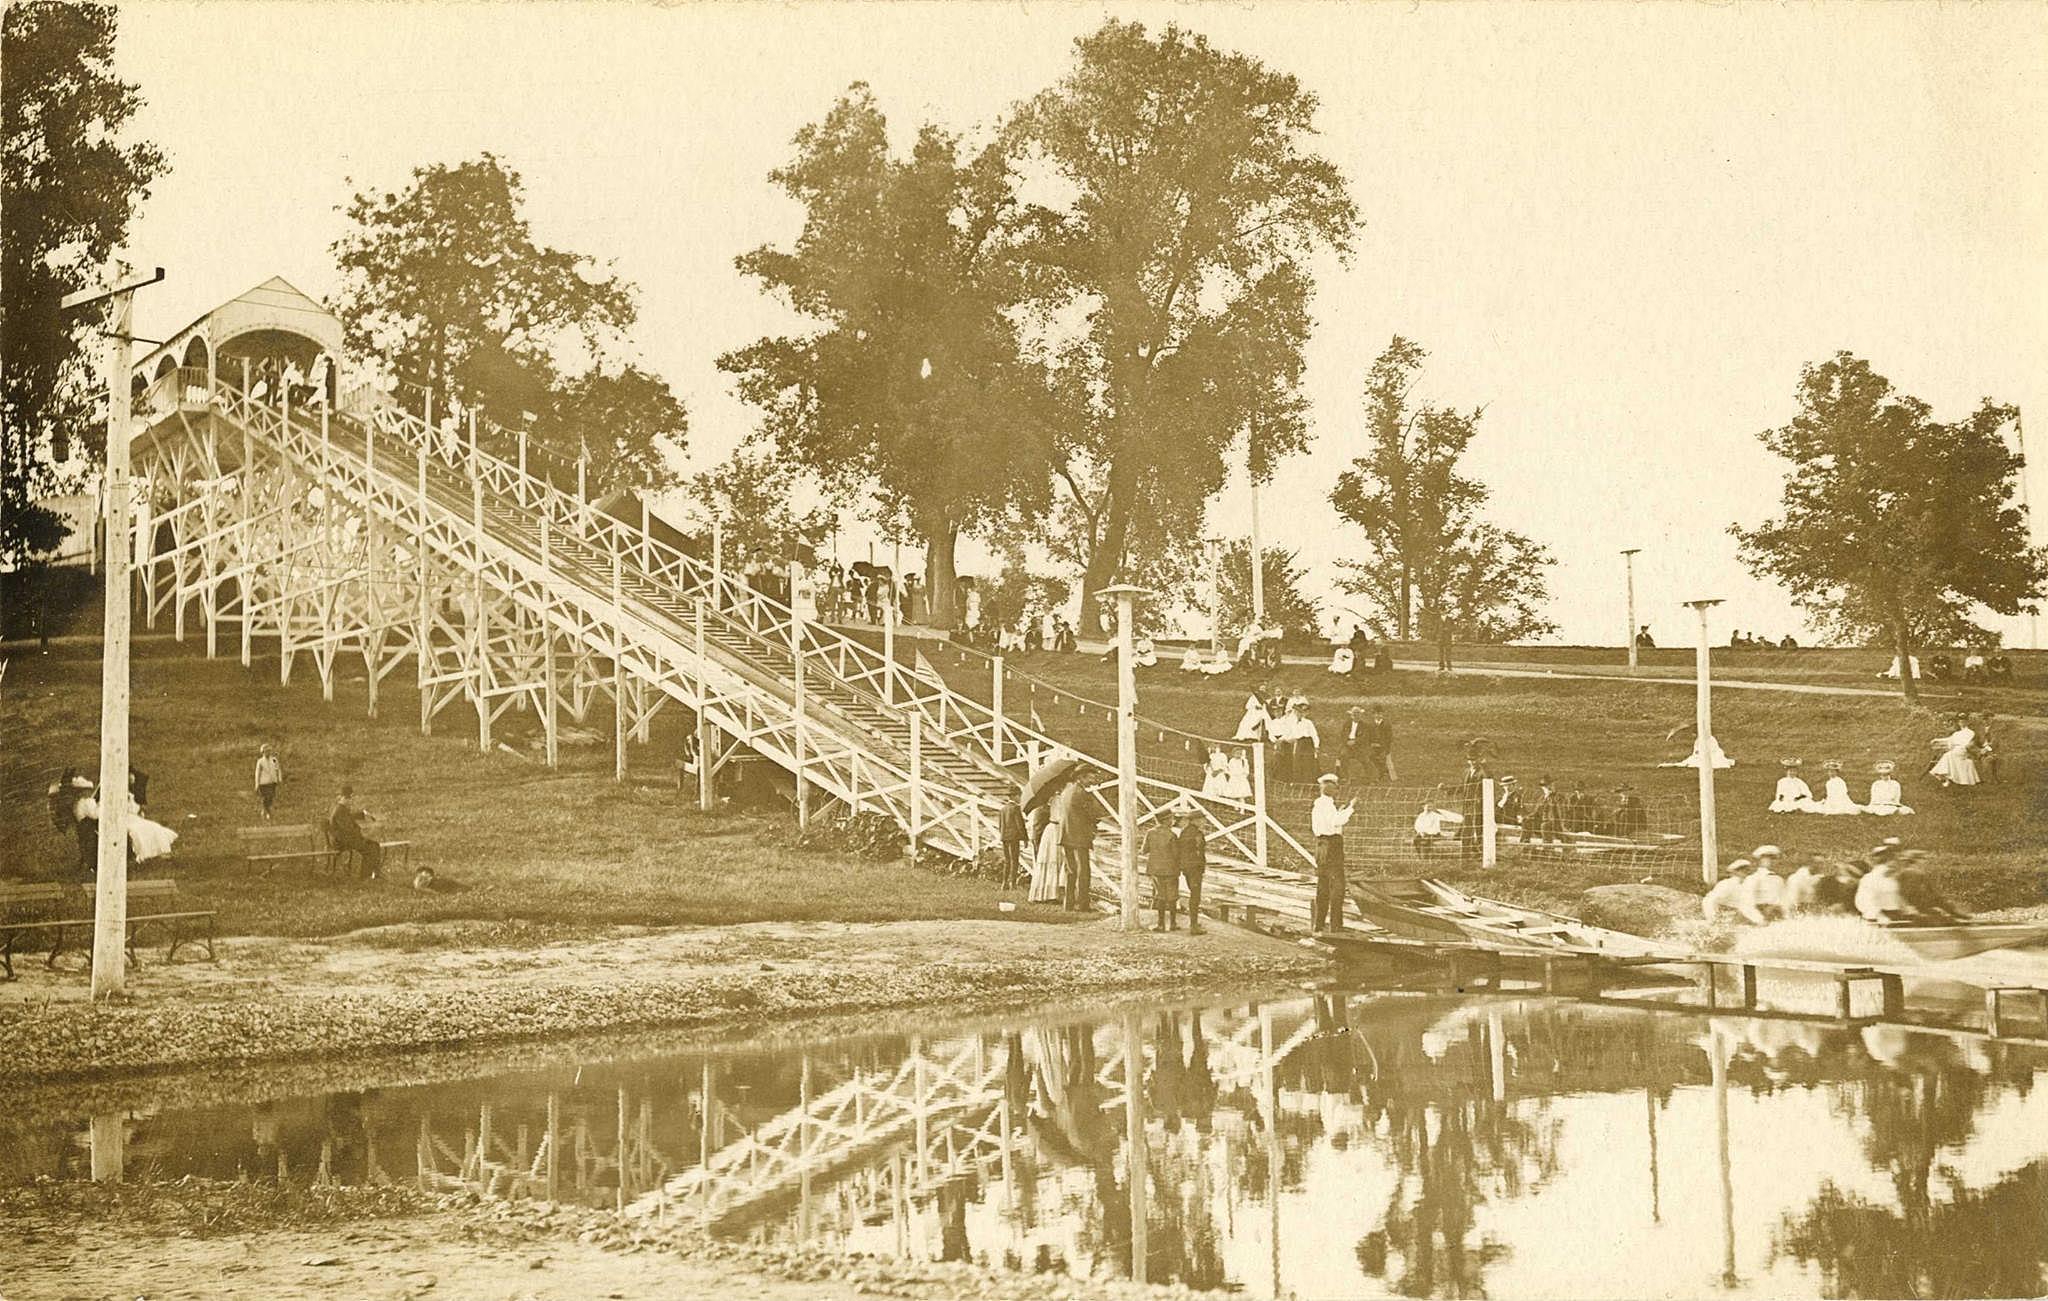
[1294, 744]
[1886, 885]
[1793, 795]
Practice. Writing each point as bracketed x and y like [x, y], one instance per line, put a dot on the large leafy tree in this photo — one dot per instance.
[1171, 284]
[1433, 565]
[911, 382]
[758, 500]
[446, 282]
[1289, 606]
[70, 182]
[1895, 524]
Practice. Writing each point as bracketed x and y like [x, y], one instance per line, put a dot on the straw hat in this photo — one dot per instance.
[1885, 768]
[1767, 851]
[1327, 779]
[1832, 765]
[1791, 763]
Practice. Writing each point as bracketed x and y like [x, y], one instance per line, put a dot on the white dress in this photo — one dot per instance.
[1238, 785]
[1216, 777]
[1837, 802]
[1955, 766]
[1255, 718]
[1343, 660]
[1045, 867]
[1794, 796]
[146, 839]
[1886, 798]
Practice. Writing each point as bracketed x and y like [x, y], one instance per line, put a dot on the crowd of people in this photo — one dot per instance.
[1886, 885]
[1740, 640]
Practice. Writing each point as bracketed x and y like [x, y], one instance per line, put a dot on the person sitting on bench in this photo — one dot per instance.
[345, 824]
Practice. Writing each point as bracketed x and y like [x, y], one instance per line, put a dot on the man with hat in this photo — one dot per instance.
[1726, 893]
[1191, 852]
[1327, 822]
[1762, 898]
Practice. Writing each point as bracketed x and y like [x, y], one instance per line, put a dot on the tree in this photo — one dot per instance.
[69, 186]
[1894, 523]
[447, 284]
[1433, 564]
[1171, 290]
[753, 495]
[913, 384]
[1288, 607]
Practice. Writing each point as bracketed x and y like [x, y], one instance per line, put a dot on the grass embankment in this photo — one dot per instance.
[522, 846]
[1987, 843]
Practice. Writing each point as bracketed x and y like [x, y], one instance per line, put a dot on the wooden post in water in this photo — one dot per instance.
[1137, 1165]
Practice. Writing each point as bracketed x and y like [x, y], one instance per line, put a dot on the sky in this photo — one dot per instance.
[1621, 230]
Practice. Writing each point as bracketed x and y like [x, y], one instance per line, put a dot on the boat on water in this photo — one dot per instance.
[1433, 911]
[1946, 941]
[1430, 910]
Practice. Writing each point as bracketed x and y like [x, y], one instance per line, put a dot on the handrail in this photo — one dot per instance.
[845, 661]
[306, 444]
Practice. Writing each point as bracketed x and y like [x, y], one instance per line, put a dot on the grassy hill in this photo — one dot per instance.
[525, 845]
[1990, 843]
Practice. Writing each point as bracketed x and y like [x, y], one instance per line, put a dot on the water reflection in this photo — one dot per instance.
[1329, 1145]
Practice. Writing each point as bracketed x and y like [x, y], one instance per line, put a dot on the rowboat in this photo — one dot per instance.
[1430, 910]
[1943, 942]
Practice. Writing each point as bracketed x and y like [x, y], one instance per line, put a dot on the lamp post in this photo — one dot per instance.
[1213, 548]
[1703, 722]
[1628, 560]
[1126, 750]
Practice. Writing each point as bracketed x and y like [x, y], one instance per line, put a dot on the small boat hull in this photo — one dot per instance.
[1946, 943]
[1429, 910]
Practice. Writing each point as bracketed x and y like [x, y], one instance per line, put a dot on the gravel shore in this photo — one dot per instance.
[362, 998]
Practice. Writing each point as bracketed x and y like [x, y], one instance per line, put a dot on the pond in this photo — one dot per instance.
[1318, 1144]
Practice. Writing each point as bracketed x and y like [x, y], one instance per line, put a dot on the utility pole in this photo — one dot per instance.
[1214, 548]
[1703, 720]
[110, 893]
[1628, 560]
[1258, 567]
[1126, 750]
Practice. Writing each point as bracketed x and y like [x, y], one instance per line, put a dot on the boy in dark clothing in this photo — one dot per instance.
[1013, 840]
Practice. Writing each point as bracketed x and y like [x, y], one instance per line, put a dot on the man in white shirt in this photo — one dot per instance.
[1763, 894]
[1327, 822]
[1878, 896]
[1726, 893]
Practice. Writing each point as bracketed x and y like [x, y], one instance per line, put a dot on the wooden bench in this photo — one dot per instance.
[152, 907]
[24, 911]
[338, 855]
[269, 845]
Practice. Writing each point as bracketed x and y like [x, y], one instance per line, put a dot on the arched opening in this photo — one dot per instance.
[195, 353]
[265, 356]
[166, 366]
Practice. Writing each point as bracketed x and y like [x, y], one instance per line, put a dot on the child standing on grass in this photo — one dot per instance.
[269, 776]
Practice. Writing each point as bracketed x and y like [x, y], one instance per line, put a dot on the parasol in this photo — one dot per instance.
[1047, 779]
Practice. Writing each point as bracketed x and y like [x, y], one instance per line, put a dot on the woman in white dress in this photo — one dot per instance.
[1256, 721]
[1955, 767]
[1793, 794]
[1835, 800]
[1045, 866]
[1343, 660]
[1238, 784]
[1886, 798]
[146, 839]
[1216, 776]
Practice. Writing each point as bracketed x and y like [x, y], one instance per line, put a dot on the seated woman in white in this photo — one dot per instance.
[1793, 794]
[1835, 801]
[1955, 767]
[1886, 797]
[1143, 653]
[1192, 661]
[1343, 660]
[1256, 721]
